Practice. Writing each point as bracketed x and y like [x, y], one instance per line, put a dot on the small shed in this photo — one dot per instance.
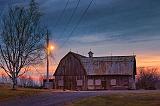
[51, 81]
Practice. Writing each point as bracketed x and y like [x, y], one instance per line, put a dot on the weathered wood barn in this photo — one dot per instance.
[77, 72]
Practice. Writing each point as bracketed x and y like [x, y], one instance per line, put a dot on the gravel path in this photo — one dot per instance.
[50, 99]
[54, 98]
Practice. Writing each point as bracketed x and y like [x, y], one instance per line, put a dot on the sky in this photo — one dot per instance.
[108, 27]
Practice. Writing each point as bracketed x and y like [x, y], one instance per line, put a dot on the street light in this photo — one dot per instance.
[49, 49]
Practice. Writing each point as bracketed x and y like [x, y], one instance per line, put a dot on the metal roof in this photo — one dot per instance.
[108, 65]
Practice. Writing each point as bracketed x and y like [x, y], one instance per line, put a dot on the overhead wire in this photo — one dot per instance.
[70, 19]
[53, 57]
[75, 27]
[61, 14]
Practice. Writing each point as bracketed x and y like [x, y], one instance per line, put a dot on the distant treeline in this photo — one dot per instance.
[148, 78]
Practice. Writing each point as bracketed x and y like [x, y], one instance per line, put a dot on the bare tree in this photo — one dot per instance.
[27, 81]
[4, 78]
[23, 80]
[148, 78]
[30, 82]
[22, 40]
[41, 78]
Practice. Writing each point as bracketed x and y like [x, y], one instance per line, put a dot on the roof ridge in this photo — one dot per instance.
[76, 54]
[116, 56]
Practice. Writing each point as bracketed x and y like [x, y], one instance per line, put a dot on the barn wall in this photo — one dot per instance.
[95, 82]
[70, 74]
[71, 82]
[70, 66]
[108, 82]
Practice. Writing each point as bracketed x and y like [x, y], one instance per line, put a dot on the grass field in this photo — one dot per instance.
[122, 99]
[7, 93]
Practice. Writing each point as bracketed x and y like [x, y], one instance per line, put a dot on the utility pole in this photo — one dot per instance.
[47, 83]
[47, 40]
[49, 48]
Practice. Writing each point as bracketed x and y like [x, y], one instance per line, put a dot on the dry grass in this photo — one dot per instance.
[7, 93]
[122, 99]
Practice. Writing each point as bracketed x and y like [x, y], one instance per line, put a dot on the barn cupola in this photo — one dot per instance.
[90, 54]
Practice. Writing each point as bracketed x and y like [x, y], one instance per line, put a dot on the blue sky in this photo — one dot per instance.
[120, 27]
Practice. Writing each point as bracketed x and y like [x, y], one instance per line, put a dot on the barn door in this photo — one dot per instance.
[70, 83]
[104, 84]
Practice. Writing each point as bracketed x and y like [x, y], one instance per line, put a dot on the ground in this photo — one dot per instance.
[86, 98]
[7, 93]
[136, 98]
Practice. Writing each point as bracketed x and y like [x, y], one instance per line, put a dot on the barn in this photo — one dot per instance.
[77, 72]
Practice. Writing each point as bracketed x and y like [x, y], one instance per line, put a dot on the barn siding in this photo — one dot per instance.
[70, 66]
[69, 70]
[122, 82]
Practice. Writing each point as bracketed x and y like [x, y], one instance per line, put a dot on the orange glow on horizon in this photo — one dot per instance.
[142, 61]
[150, 60]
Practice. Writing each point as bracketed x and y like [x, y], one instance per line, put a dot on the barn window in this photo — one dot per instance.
[79, 82]
[98, 82]
[90, 82]
[113, 82]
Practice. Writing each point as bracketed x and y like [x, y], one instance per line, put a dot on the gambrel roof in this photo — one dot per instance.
[108, 65]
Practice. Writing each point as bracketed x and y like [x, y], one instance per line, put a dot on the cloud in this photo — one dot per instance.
[115, 24]
[88, 38]
[145, 40]
[136, 20]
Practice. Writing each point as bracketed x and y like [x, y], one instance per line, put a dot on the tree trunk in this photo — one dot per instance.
[14, 83]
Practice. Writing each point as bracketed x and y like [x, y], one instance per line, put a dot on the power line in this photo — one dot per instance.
[79, 21]
[72, 15]
[54, 59]
[61, 14]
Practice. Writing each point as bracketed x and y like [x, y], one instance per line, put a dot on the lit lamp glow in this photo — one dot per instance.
[50, 48]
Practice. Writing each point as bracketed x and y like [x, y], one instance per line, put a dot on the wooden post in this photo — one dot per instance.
[47, 83]
[47, 58]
